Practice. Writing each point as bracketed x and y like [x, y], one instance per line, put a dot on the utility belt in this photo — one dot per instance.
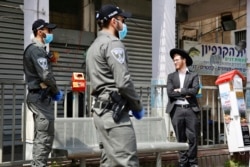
[35, 90]
[103, 105]
[117, 104]
[44, 93]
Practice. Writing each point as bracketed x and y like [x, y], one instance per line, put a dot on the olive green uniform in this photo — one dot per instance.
[38, 69]
[107, 70]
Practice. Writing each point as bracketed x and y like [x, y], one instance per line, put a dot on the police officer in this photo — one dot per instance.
[42, 89]
[107, 70]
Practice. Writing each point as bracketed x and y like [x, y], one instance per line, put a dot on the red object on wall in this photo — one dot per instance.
[78, 82]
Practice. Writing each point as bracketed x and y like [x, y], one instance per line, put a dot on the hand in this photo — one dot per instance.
[53, 56]
[138, 114]
[177, 90]
[58, 96]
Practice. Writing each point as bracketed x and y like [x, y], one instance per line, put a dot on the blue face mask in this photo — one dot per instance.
[48, 38]
[123, 32]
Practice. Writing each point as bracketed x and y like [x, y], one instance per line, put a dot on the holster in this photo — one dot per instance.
[118, 106]
[44, 93]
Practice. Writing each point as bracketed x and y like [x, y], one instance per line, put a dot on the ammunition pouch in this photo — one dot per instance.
[100, 107]
[44, 93]
[117, 104]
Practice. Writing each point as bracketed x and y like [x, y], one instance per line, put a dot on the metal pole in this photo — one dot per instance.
[75, 106]
[249, 159]
[82, 162]
[248, 62]
[65, 111]
[148, 101]
[158, 160]
[1, 123]
[13, 123]
[24, 121]
[163, 40]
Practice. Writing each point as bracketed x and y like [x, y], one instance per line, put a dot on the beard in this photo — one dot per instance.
[116, 34]
[117, 29]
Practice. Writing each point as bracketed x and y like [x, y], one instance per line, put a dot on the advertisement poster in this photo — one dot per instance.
[226, 107]
[243, 120]
[245, 135]
[215, 59]
[242, 111]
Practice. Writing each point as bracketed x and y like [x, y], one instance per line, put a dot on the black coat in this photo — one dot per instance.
[190, 88]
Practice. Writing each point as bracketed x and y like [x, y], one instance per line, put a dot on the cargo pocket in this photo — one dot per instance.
[99, 111]
[110, 123]
[45, 131]
[33, 97]
[42, 124]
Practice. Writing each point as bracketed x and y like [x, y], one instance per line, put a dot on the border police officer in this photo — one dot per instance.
[113, 90]
[42, 89]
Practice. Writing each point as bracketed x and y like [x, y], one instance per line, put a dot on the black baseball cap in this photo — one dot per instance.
[40, 23]
[108, 11]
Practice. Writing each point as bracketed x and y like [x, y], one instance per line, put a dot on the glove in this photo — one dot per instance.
[58, 96]
[138, 114]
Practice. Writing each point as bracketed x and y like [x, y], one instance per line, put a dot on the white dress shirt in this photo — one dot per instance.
[182, 79]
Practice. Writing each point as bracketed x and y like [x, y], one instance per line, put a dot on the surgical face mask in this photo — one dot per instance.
[122, 33]
[48, 38]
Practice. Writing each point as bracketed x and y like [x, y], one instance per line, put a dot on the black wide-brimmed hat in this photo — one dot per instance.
[183, 54]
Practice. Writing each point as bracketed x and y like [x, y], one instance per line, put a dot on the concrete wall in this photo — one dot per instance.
[138, 8]
[206, 30]
[66, 20]
[211, 8]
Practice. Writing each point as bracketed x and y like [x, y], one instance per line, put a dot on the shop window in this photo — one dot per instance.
[66, 14]
[240, 35]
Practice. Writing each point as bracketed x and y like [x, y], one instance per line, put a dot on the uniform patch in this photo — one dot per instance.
[43, 63]
[118, 54]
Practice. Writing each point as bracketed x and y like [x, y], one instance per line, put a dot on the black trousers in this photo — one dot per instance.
[185, 124]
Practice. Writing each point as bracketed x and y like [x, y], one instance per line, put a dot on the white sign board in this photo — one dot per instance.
[215, 58]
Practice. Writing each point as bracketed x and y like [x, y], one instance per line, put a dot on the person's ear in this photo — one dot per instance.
[185, 60]
[42, 34]
[114, 21]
